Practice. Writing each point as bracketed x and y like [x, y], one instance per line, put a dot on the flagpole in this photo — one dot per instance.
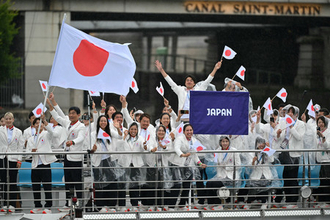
[233, 77]
[90, 144]
[273, 98]
[54, 89]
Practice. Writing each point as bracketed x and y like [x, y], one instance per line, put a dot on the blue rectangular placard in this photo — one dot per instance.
[214, 112]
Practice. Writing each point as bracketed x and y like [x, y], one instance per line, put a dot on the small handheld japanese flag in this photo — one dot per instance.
[282, 94]
[268, 151]
[179, 129]
[166, 141]
[241, 72]
[160, 89]
[268, 106]
[310, 108]
[103, 135]
[43, 85]
[94, 93]
[38, 110]
[228, 53]
[197, 146]
[134, 86]
[289, 121]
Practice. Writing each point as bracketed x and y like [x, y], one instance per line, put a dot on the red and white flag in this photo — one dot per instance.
[88, 63]
[282, 94]
[43, 85]
[134, 86]
[160, 89]
[94, 93]
[289, 121]
[103, 135]
[269, 151]
[38, 110]
[310, 108]
[241, 72]
[228, 53]
[166, 140]
[197, 146]
[179, 129]
[268, 106]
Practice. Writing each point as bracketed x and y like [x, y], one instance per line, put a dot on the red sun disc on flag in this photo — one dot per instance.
[105, 134]
[92, 92]
[43, 86]
[38, 111]
[133, 84]
[266, 149]
[288, 120]
[148, 137]
[227, 53]
[242, 73]
[269, 107]
[161, 90]
[199, 148]
[88, 59]
[283, 94]
[180, 130]
[312, 107]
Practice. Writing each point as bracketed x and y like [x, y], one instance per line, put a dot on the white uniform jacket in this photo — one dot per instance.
[43, 145]
[110, 147]
[182, 146]
[74, 133]
[324, 156]
[226, 165]
[14, 145]
[262, 169]
[131, 145]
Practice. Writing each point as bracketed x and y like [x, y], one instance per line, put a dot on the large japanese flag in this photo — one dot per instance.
[88, 63]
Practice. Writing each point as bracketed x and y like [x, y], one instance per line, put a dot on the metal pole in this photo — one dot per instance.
[90, 144]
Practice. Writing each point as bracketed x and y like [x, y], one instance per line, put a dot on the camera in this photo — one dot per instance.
[184, 111]
[85, 117]
[272, 119]
[318, 129]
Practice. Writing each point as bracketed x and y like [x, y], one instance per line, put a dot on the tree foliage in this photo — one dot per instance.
[9, 64]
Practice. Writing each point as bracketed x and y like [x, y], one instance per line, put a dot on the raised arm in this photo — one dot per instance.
[125, 112]
[160, 68]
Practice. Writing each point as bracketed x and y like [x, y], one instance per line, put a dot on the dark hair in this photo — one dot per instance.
[1, 117]
[107, 109]
[114, 115]
[192, 77]
[35, 121]
[55, 120]
[106, 130]
[325, 111]
[160, 118]
[145, 115]
[292, 109]
[281, 106]
[186, 125]
[323, 119]
[75, 108]
[160, 126]
[90, 114]
[30, 115]
[137, 128]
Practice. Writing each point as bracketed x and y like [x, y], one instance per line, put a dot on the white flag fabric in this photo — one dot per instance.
[228, 53]
[282, 94]
[268, 106]
[269, 151]
[166, 140]
[179, 129]
[103, 135]
[94, 93]
[134, 86]
[241, 72]
[160, 89]
[289, 121]
[88, 63]
[38, 110]
[197, 146]
[310, 108]
[43, 85]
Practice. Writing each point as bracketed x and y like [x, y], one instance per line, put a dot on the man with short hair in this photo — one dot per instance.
[75, 140]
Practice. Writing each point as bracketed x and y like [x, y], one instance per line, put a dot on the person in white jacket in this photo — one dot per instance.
[132, 163]
[186, 159]
[107, 190]
[73, 163]
[323, 158]
[261, 174]
[29, 132]
[11, 141]
[183, 92]
[228, 173]
[41, 171]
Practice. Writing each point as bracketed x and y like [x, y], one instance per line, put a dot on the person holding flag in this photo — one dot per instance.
[107, 191]
[74, 142]
[183, 91]
[11, 140]
[29, 132]
[41, 171]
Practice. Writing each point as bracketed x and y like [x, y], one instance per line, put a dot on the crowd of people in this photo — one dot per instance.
[162, 181]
